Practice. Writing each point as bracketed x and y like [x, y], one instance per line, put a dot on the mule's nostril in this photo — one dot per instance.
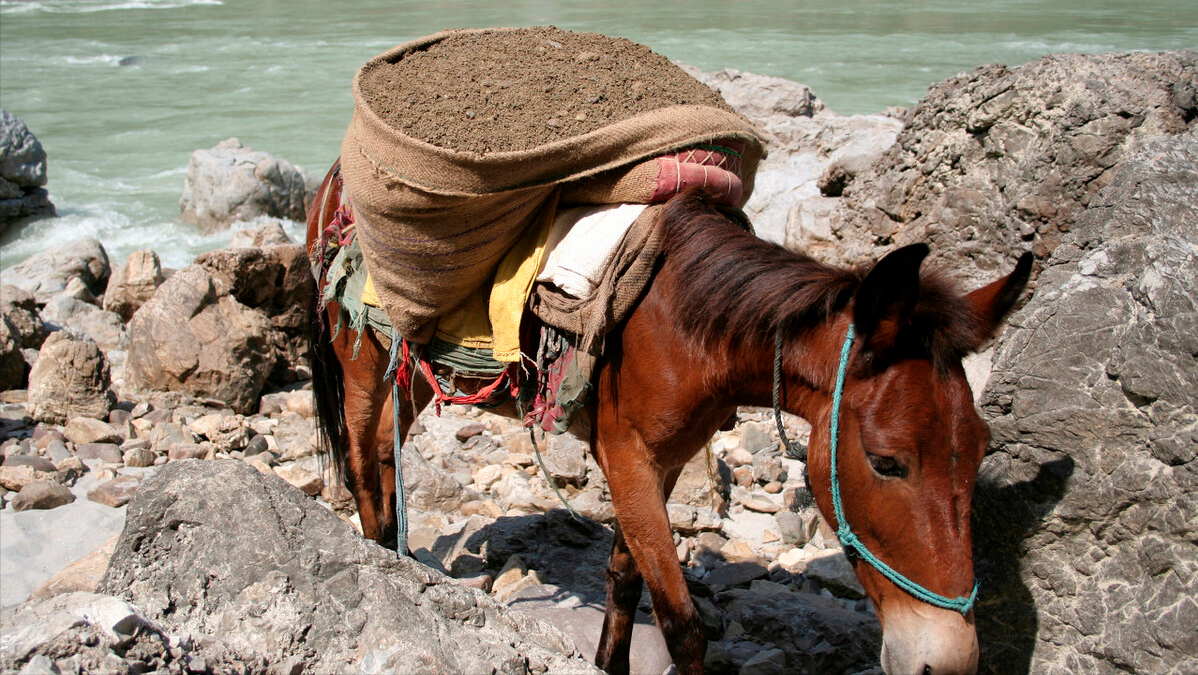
[927, 670]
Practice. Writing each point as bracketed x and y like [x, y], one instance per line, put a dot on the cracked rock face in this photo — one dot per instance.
[999, 160]
[1087, 512]
[219, 549]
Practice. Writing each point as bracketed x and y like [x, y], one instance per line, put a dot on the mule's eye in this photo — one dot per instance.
[887, 467]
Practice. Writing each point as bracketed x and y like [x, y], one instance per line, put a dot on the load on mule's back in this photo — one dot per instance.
[713, 319]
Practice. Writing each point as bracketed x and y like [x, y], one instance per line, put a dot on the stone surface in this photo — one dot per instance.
[22, 172]
[132, 284]
[194, 337]
[82, 430]
[216, 548]
[48, 273]
[1000, 160]
[81, 575]
[71, 379]
[21, 327]
[816, 634]
[107, 329]
[230, 183]
[1087, 510]
[42, 494]
[116, 492]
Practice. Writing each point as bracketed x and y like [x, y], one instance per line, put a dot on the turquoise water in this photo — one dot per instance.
[121, 93]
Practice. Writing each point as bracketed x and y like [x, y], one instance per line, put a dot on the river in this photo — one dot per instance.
[121, 92]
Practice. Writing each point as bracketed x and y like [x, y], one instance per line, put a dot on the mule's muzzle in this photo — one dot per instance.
[919, 639]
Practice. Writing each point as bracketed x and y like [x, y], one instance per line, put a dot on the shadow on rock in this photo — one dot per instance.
[1004, 516]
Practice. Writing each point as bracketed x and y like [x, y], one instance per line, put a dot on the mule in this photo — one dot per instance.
[701, 342]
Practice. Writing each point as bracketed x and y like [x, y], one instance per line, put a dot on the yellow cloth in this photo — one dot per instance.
[490, 317]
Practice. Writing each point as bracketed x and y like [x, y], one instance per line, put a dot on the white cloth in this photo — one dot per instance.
[582, 243]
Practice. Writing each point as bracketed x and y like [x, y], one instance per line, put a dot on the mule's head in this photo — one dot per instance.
[909, 446]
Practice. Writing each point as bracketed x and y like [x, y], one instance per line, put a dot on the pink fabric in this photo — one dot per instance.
[709, 166]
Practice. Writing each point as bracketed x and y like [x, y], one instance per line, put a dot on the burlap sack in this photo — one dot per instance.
[434, 223]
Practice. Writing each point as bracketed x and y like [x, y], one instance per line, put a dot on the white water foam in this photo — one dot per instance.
[7, 7]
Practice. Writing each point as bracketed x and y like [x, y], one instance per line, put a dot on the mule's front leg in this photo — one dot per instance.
[639, 502]
[624, 584]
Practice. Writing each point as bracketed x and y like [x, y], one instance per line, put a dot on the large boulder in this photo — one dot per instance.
[193, 336]
[218, 549]
[231, 183]
[22, 172]
[71, 379]
[999, 160]
[1087, 511]
[277, 280]
[52, 271]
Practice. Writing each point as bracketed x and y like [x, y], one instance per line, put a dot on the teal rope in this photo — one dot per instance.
[401, 497]
[845, 534]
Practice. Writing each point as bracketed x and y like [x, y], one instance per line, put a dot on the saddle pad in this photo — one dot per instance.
[582, 243]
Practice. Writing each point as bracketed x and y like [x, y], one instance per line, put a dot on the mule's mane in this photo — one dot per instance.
[740, 288]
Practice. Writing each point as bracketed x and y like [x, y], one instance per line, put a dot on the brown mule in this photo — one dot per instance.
[701, 343]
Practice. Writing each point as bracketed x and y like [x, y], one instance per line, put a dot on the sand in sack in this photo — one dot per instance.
[461, 138]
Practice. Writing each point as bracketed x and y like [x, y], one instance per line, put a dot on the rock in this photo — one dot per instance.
[301, 403]
[192, 336]
[22, 173]
[15, 476]
[81, 430]
[49, 273]
[1086, 513]
[42, 494]
[582, 619]
[768, 468]
[308, 481]
[189, 451]
[105, 452]
[566, 459]
[81, 575]
[133, 284]
[226, 432]
[116, 492]
[816, 634]
[138, 457]
[230, 183]
[106, 328]
[834, 572]
[21, 327]
[71, 379]
[766, 662]
[270, 234]
[91, 633]
[736, 574]
[297, 581]
[996, 161]
[469, 431]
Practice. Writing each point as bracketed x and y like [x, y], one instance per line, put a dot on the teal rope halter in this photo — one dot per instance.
[845, 534]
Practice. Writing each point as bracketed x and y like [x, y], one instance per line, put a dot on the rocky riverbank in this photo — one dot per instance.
[186, 391]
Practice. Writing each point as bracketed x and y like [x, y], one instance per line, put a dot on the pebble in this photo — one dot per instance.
[105, 452]
[139, 457]
[85, 430]
[188, 451]
[301, 477]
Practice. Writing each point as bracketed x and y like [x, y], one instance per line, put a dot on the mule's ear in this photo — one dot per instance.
[887, 296]
[991, 302]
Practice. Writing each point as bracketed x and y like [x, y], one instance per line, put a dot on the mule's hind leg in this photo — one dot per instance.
[624, 586]
[638, 492]
[365, 395]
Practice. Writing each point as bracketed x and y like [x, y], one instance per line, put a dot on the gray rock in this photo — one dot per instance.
[270, 234]
[194, 337]
[996, 161]
[1087, 510]
[105, 452]
[131, 285]
[21, 328]
[217, 548]
[91, 633]
[106, 328]
[816, 634]
[22, 172]
[81, 430]
[71, 379]
[115, 492]
[49, 273]
[566, 459]
[230, 183]
[42, 494]
[834, 572]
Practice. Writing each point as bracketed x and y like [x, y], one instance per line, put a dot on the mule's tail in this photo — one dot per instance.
[328, 390]
[328, 380]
